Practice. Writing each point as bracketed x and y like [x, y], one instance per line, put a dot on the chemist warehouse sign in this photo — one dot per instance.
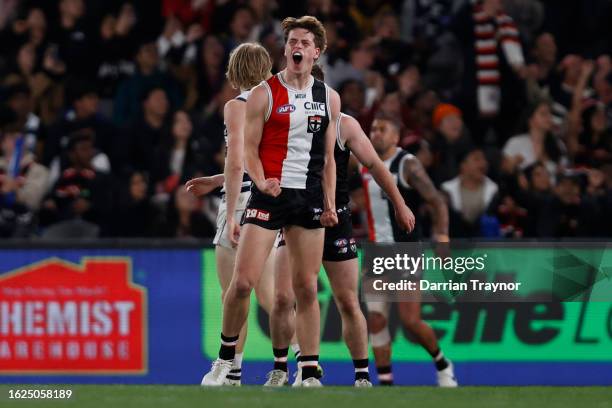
[57, 317]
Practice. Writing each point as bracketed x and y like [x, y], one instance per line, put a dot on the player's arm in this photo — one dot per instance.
[253, 129]
[233, 113]
[201, 186]
[415, 175]
[359, 144]
[329, 217]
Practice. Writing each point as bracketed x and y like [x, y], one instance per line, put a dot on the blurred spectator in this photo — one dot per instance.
[127, 106]
[19, 100]
[82, 115]
[80, 201]
[595, 140]
[528, 16]
[23, 183]
[358, 67]
[493, 57]
[210, 70]
[141, 139]
[450, 142]
[135, 215]
[116, 44]
[184, 219]
[240, 26]
[543, 77]
[471, 195]
[177, 158]
[392, 51]
[538, 144]
[74, 39]
[211, 131]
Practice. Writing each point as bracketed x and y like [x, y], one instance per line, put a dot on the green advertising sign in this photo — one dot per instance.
[468, 331]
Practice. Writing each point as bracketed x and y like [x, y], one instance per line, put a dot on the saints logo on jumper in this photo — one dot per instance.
[314, 123]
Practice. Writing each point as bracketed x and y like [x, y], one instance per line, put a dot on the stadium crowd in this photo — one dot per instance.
[109, 106]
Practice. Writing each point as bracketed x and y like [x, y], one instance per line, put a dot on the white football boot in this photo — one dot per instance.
[446, 377]
[216, 376]
[277, 378]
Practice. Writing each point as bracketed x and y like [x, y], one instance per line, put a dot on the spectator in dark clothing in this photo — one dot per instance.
[81, 194]
[595, 140]
[240, 26]
[178, 158]
[210, 71]
[450, 142]
[73, 36]
[535, 195]
[211, 132]
[135, 215]
[470, 195]
[142, 138]
[127, 106]
[184, 219]
[83, 116]
[116, 44]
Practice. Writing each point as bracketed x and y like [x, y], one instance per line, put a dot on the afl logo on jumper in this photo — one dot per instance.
[314, 123]
[286, 108]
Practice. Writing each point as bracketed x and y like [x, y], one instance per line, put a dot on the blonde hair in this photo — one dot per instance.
[308, 23]
[248, 65]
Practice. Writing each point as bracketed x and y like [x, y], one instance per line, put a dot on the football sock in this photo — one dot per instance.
[361, 369]
[280, 358]
[228, 347]
[385, 375]
[439, 360]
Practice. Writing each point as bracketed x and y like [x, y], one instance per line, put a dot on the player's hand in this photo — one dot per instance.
[202, 185]
[405, 218]
[270, 187]
[329, 218]
[233, 231]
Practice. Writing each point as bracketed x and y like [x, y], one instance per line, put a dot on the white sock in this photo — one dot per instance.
[237, 361]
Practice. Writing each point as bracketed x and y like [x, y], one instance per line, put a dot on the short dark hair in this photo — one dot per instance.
[309, 23]
[83, 135]
[380, 115]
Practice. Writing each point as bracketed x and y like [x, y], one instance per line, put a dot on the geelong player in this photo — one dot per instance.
[339, 259]
[414, 185]
[249, 64]
[289, 155]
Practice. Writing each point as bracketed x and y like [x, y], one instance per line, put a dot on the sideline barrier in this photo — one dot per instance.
[149, 312]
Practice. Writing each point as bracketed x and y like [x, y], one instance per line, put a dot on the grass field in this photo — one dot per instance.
[132, 396]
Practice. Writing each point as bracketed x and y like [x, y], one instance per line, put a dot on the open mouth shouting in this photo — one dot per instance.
[297, 57]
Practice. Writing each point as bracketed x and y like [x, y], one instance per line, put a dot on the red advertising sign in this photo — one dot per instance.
[57, 317]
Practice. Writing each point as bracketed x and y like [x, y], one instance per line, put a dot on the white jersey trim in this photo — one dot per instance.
[269, 110]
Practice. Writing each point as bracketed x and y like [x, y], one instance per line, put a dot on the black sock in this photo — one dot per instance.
[234, 374]
[280, 358]
[310, 365]
[361, 369]
[439, 360]
[228, 347]
[385, 375]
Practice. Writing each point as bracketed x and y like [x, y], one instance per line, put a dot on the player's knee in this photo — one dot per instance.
[283, 301]
[348, 305]
[243, 287]
[306, 294]
[411, 322]
[376, 322]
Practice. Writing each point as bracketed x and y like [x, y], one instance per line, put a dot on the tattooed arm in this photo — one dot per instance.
[414, 174]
